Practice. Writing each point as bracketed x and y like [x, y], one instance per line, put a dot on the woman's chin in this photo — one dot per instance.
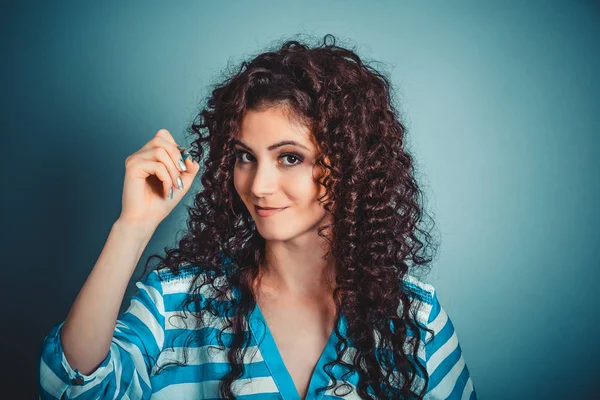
[271, 234]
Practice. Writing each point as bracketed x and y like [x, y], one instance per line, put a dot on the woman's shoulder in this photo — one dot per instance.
[187, 271]
[423, 291]
[424, 295]
[184, 272]
[189, 278]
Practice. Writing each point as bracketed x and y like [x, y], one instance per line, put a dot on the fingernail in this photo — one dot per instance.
[170, 193]
[184, 152]
[182, 165]
[179, 183]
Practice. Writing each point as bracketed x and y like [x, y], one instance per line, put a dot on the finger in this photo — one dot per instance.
[190, 164]
[163, 156]
[165, 134]
[172, 149]
[157, 168]
[192, 169]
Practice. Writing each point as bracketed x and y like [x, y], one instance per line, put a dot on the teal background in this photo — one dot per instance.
[501, 101]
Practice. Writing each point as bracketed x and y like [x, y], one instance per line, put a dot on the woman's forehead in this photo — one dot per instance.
[272, 125]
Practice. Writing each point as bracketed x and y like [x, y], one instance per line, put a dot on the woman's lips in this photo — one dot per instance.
[267, 212]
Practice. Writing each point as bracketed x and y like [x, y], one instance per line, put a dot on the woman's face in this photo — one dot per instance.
[269, 173]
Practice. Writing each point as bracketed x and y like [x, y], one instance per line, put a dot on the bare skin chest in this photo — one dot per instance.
[301, 329]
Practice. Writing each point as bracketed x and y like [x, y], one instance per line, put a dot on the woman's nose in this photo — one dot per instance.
[265, 181]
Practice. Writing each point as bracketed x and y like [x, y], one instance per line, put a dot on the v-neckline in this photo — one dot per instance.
[272, 357]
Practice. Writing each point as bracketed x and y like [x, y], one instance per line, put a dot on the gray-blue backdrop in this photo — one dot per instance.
[501, 100]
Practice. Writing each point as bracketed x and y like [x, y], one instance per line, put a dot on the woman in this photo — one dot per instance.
[293, 279]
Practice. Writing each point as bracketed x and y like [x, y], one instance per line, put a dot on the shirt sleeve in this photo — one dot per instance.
[125, 372]
[449, 377]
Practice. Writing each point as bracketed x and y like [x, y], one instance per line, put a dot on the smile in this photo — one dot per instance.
[267, 212]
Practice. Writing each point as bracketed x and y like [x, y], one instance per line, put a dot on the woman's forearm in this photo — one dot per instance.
[89, 327]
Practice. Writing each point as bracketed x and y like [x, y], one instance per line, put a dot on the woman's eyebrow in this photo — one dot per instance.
[273, 146]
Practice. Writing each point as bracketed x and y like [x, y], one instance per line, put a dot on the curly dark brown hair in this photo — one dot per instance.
[371, 192]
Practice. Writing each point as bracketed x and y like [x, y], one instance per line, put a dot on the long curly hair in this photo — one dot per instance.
[371, 191]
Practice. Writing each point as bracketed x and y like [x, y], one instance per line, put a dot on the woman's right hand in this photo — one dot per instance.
[149, 174]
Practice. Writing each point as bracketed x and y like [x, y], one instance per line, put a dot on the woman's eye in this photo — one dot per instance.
[239, 155]
[292, 158]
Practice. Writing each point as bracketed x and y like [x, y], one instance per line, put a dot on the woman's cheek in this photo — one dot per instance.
[301, 183]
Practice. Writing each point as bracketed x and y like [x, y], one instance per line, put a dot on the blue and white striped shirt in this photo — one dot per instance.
[146, 327]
